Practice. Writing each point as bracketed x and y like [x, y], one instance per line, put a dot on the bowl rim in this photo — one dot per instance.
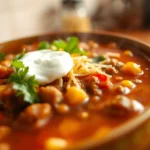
[102, 32]
[126, 127]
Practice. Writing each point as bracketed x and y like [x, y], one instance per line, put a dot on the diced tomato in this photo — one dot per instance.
[101, 77]
[104, 82]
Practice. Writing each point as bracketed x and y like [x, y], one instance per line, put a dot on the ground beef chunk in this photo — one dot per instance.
[50, 94]
[36, 115]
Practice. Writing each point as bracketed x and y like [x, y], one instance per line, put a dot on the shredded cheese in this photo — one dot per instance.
[110, 54]
[83, 66]
[60, 82]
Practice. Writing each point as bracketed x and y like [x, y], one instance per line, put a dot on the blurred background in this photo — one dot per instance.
[21, 18]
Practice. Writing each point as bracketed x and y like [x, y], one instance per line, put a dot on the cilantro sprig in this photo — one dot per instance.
[71, 45]
[43, 45]
[25, 87]
[59, 44]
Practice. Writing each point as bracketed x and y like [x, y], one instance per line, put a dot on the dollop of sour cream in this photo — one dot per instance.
[47, 65]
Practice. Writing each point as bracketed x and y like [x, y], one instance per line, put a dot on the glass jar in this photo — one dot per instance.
[74, 16]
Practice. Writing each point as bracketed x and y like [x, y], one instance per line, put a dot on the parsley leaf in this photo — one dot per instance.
[98, 58]
[59, 44]
[2, 55]
[70, 46]
[43, 45]
[24, 91]
[17, 64]
[72, 43]
[25, 87]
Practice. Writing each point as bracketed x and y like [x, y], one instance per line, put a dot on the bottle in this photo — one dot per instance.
[74, 16]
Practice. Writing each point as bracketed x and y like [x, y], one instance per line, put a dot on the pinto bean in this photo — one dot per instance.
[62, 108]
[50, 95]
[121, 105]
[5, 72]
[6, 63]
[111, 70]
[36, 115]
[9, 56]
[121, 89]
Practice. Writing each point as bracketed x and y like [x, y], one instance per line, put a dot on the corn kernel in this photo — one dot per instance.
[55, 144]
[128, 83]
[128, 53]
[76, 96]
[131, 68]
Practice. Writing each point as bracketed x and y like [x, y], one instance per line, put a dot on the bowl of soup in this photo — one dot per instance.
[74, 91]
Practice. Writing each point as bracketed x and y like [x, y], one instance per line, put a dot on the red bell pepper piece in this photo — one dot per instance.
[101, 77]
[104, 82]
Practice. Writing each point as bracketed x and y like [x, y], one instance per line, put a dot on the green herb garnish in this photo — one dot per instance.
[98, 58]
[19, 56]
[43, 45]
[70, 46]
[59, 44]
[25, 87]
[2, 55]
